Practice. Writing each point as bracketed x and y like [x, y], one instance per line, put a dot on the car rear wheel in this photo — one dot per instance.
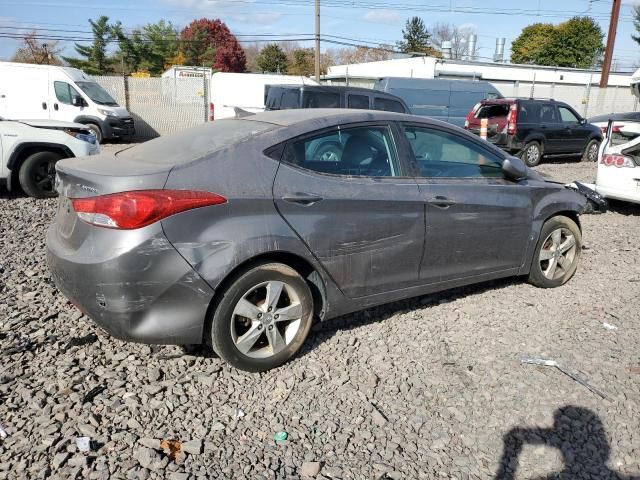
[591, 152]
[263, 318]
[531, 154]
[557, 253]
[37, 174]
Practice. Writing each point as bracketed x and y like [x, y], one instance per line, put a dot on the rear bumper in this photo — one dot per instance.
[618, 194]
[134, 285]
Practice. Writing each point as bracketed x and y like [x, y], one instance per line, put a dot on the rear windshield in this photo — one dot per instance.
[492, 111]
[193, 143]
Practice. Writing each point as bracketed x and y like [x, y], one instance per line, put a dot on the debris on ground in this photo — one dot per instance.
[23, 346]
[172, 448]
[93, 393]
[3, 433]
[81, 341]
[609, 326]
[238, 413]
[280, 436]
[83, 444]
[544, 362]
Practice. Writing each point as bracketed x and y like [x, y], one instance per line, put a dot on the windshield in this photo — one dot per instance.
[96, 93]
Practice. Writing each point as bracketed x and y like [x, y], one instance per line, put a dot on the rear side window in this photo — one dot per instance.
[320, 100]
[283, 98]
[358, 101]
[388, 105]
[358, 151]
[441, 154]
[492, 111]
[548, 113]
[188, 145]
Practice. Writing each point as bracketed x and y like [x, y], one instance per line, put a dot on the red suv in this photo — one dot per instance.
[534, 129]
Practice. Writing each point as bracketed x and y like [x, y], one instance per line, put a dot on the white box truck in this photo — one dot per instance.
[37, 92]
[246, 91]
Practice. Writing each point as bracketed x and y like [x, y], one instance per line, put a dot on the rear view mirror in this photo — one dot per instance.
[514, 168]
[77, 101]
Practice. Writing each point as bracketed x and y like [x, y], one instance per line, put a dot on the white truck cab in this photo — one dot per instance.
[61, 93]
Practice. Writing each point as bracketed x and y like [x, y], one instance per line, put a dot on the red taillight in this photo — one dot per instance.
[136, 209]
[211, 112]
[512, 119]
[617, 161]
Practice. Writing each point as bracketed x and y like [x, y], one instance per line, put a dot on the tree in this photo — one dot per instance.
[33, 51]
[576, 43]
[530, 44]
[459, 38]
[302, 62]
[636, 23]
[416, 38]
[209, 42]
[95, 60]
[272, 59]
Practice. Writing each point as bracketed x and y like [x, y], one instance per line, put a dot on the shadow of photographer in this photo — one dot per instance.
[579, 435]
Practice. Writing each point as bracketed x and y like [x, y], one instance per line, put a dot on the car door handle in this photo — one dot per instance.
[305, 199]
[441, 202]
[44, 105]
[55, 106]
[543, 126]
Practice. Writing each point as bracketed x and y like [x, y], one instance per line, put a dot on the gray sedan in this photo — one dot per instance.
[240, 233]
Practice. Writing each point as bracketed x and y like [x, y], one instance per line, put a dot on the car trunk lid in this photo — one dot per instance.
[496, 114]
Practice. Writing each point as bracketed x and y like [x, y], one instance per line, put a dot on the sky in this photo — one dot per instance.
[375, 21]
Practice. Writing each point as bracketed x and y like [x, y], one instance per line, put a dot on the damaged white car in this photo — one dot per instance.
[618, 174]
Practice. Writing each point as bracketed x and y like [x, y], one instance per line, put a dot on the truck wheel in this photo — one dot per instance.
[591, 152]
[95, 129]
[37, 174]
[531, 154]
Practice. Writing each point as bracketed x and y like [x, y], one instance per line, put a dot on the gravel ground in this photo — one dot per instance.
[426, 388]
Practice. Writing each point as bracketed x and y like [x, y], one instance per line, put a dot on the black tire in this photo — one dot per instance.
[37, 174]
[95, 129]
[590, 153]
[227, 328]
[564, 273]
[532, 154]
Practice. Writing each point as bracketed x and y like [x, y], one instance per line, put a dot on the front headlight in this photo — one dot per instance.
[107, 113]
[84, 137]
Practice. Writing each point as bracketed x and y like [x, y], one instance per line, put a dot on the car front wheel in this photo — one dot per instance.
[557, 253]
[263, 318]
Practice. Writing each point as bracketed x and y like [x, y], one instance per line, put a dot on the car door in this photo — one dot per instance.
[357, 210]
[477, 221]
[62, 107]
[552, 129]
[575, 130]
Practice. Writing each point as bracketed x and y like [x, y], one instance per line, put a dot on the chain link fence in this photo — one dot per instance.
[160, 106]
[588, 99]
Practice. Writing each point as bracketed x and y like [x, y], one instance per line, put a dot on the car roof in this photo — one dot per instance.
[333, 88]
[285, 118]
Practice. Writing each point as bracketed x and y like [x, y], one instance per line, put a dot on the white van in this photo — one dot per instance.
[61, 93]
[246, 91]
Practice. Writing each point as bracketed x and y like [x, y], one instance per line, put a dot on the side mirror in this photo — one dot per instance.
[77, 101]
[514, 168]
[583, 121]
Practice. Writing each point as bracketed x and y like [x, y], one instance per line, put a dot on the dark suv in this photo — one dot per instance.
[534, 129]
[284, 97]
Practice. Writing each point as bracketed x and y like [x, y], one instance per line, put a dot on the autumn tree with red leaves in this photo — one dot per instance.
[210, 42]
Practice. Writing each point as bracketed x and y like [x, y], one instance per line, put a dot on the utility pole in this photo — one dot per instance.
[318, 41]
[611, 40]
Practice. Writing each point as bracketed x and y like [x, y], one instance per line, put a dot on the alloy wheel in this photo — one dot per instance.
[266, 319]
[558, 253]
[533, 154]
[44, 175]
[592, 154]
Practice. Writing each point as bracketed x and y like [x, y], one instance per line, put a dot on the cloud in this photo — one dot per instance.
[381, 16]
[259, 18]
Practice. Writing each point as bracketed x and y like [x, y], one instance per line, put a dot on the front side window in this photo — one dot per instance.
[388, 105]
[65, 92]
[568, 116]
[442, 154]
[358, 151]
